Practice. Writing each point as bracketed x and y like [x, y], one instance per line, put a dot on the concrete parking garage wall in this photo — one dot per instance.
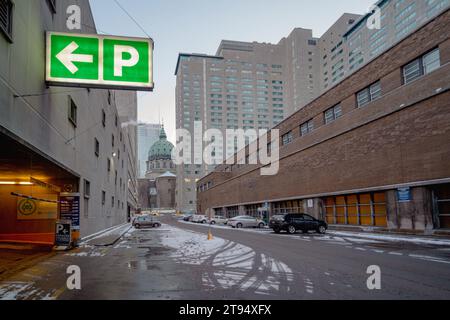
[39, 115]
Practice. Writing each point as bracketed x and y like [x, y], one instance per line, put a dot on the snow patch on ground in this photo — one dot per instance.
[228, 265]
[22, 291]
[191, 248]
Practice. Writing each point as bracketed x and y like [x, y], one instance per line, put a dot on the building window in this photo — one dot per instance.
[421, 66]
[97, 147]
[113, 201]
[86, 207]
[333, 113]
[108, 163]
[103, 197]
[72, 112]
[6, 19]
[287, 138]
[269, 149]
[52, 5]
[104, 118]
[307, 128]
[87, 189]
[113, 141]
[369, 94]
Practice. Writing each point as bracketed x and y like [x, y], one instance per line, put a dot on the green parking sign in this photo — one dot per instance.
[99, 61]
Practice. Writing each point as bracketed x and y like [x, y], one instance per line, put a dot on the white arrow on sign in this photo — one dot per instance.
[67, 57]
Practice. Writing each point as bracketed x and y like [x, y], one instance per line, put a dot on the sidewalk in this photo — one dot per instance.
[106, 237]
[439, 233]
[390, 237]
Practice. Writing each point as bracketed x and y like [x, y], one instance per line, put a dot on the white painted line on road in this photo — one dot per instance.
[378, 251]
[361, 249]
[396, 254]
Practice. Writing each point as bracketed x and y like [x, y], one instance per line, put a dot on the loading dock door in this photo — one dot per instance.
[357, 209]
[442, 194]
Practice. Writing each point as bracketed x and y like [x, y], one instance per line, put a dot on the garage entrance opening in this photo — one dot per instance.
[30, 187]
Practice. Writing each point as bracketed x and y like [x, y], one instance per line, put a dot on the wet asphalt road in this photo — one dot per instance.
[325, 267]
[174, 263]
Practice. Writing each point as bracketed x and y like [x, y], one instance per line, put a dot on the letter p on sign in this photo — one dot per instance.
[120, 62]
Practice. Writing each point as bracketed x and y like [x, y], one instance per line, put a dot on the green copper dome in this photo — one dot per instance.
[162, 149]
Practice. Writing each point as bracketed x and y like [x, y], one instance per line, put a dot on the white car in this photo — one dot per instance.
[246, 222]
[199, 219]
[218, 220]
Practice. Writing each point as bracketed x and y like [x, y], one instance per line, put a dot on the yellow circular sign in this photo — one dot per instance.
[27, 207]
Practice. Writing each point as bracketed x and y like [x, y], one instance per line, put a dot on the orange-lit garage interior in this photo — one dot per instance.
[30, 188]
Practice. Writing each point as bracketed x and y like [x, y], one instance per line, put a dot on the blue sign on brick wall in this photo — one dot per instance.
[404, 194]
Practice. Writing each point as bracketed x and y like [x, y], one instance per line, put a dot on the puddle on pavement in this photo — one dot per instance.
[153, 251]
[141, 265]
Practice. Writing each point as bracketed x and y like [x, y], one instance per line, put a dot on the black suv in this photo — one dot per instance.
[291, 223]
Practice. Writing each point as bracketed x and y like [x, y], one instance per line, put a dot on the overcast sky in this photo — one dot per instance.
[198, 26]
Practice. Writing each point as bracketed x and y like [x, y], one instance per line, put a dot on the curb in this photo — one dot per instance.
[436, 235]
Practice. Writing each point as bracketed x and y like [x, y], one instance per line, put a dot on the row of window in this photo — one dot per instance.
[412, 71]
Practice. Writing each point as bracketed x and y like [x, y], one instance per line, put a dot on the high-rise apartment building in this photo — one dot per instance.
[345, 48]
[242, 86]
[148, 134]
[257, 85]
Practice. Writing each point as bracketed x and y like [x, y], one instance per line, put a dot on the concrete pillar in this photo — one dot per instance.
[242, 210]
[393, 220]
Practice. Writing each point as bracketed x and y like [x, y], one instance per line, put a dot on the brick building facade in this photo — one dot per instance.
[376, 152]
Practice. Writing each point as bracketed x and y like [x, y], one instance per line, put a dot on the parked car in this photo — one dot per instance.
[188, 217]
[246, 222]
[218, 220]
[146, 221]
[198, 218]
[291, 223]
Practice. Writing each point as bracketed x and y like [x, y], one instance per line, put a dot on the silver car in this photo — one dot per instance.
[218, 220]
[246, 222]
[146, 221]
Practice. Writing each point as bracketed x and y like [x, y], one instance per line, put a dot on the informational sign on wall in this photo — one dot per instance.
[404, 194]
[63, 233]
[33, 209]
[99, 61]
[70, 209]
